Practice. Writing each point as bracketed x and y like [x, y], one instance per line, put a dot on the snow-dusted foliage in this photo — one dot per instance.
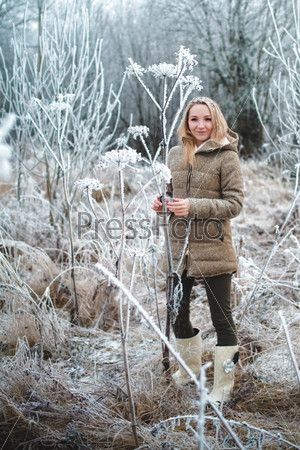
[65, 109]
[285, 90]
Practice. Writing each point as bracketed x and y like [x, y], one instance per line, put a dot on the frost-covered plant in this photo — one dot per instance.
[134, 69]
[200, 384]
[126, 157]
[65, 116]
[185, 59]
[285, 98]
[61, 100]
[119, 159]
[88, 185]
[139, 130]
[162, 171]
[163, 70]
[286, 90]
[183, 83]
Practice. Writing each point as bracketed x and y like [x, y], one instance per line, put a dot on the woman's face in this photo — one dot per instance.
[200, 123]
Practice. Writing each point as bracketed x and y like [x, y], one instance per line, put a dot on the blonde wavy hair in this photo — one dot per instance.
[219, 127]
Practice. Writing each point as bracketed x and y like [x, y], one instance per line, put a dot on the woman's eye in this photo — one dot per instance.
[208, 118]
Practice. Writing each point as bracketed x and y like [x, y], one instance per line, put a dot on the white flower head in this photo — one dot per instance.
[163, 70]
[139, 130]
[192, 81]
[122, 141]
[162, 171]
[135, 69]
[88, 185]
[119, 158]
[186, 59]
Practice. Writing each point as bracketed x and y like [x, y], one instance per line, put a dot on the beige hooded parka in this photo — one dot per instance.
[214, 188]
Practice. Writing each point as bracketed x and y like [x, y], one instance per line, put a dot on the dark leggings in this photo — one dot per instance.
[218, 294]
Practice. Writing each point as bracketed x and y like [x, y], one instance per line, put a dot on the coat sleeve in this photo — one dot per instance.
[232, 194]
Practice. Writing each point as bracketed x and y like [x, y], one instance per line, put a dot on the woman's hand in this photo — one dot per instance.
[179, 206]
[156, 205]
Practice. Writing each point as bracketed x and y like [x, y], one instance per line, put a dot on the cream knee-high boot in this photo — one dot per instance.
[190, 351]
[225, 359]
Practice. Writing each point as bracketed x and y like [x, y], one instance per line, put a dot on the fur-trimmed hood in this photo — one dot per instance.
[230, 142]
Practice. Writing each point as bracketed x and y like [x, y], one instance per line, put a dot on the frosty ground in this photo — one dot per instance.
[62, 385]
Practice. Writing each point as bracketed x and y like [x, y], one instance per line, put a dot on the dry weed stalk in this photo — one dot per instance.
[289, 344]
[124, 329]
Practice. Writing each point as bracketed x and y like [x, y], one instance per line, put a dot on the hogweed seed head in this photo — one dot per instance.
[163, 70]
[119, 158]
[88, 185]
[139, 130]
[191, 81]
[134, 69]
[121, 141]
[186, 59]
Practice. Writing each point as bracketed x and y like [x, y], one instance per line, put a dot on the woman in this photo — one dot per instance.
[207, 191]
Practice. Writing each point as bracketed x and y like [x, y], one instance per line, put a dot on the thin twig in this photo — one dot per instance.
[290, 347]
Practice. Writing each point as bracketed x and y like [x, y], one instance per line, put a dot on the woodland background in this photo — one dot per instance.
[68, 338]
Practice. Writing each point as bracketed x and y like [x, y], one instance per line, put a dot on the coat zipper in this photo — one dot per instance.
[188, 188]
